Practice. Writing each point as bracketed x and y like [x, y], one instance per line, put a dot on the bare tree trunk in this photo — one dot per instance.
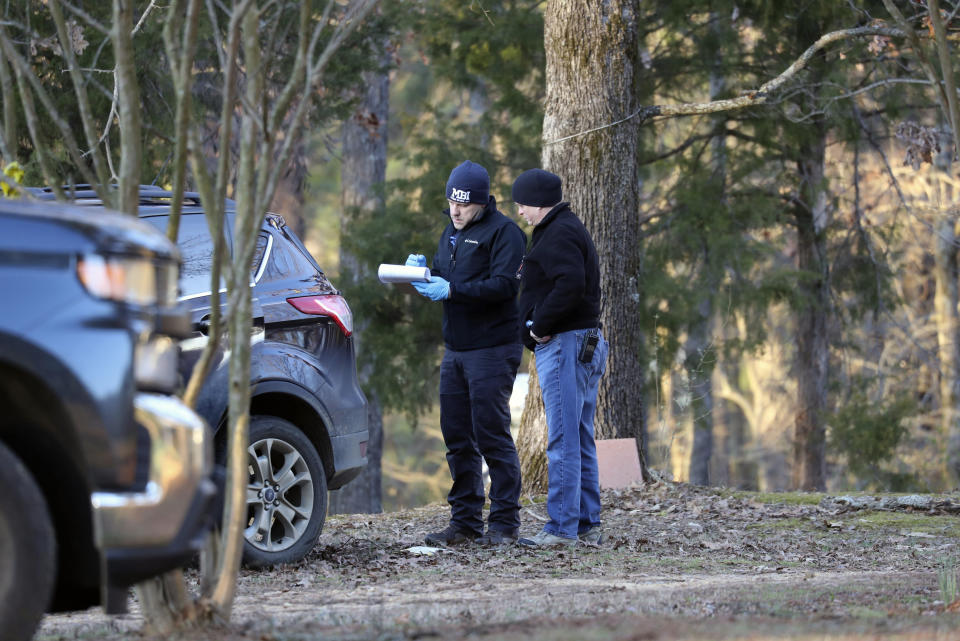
[945, 303]
[180, 41]
[289, 198]
[80, 90]
[600, 42]
[948, 325]
[363, 172]
[8, 130]
[532, 437]
[812, 217]
[701, 357]
[128, 95]
[699, 364]
[249, 212]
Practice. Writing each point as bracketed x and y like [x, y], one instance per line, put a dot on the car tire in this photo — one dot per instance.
[27, 550]
[286, 493]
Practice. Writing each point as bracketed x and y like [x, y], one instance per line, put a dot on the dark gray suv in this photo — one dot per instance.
[308, 430]
[106, 474]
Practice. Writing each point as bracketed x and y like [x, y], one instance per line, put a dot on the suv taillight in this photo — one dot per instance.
[332, 305]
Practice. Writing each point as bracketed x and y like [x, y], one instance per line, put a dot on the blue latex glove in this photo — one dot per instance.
[436, 289]
[416, 260]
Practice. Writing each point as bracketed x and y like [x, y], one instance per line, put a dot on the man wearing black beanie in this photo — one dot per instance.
[560, 314]
[474, 273]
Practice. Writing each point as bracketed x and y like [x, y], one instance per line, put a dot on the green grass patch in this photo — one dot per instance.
[785, 498]
[938, 525]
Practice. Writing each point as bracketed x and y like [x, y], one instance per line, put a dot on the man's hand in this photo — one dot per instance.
[416, 260]
[540, 339]
[436, 289]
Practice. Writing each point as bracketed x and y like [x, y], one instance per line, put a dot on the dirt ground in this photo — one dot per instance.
[679, 562]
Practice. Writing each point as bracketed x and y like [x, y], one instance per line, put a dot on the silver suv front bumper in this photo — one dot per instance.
[181, 461]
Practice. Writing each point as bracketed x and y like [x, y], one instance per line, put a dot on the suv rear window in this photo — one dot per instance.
[285, 261]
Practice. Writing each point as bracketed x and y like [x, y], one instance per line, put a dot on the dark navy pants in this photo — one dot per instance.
[475, 388]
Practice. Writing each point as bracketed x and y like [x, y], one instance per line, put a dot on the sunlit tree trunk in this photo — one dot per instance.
[945, 303]
[128, 99]
[941, 77]
[250, 201]
[948, 323]
[362, 174]
[592, 72]
[532, 437]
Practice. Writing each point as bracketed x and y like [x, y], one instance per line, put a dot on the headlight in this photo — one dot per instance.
[129, 279]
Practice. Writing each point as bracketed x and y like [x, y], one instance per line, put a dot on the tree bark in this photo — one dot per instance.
[250, 210]
[128, 99]
[948, 324]
[946, 271]
[532, 437]
[699, 364]
[8, 130]
[812, 216]
[362, 174]
[592, 72]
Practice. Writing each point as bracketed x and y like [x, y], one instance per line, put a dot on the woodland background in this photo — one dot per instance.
[720, 283]
[822, 213]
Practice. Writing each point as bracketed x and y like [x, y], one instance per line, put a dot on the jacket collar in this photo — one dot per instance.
[551, 215]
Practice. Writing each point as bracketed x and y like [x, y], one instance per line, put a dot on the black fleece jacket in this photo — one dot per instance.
[483, 270]
[560, 277]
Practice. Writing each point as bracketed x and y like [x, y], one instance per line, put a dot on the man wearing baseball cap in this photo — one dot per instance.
[560, 314]
[474, 273]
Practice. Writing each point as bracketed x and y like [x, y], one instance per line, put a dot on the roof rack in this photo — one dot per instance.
[86, 194]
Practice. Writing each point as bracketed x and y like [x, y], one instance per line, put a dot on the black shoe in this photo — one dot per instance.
[450, 535]
[498, 537]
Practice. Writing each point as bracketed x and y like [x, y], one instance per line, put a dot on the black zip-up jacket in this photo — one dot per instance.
[483, 270]
[560, 277]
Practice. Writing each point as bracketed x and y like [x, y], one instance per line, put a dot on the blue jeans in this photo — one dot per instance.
[569, 390]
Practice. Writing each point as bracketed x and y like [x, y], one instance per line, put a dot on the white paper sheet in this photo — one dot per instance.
[402, 274]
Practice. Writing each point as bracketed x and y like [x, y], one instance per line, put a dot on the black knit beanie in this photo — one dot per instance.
[537, 188]
[468, 183]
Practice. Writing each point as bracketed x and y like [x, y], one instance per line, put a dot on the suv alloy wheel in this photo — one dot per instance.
[286, 493]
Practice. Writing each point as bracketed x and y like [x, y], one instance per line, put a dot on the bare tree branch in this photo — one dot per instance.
[946, 69]
[143, 18]
[83, 102]
[752, 98]
[356, 12]
[24, 76]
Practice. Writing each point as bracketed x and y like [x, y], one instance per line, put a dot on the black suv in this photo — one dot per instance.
[106, 475]
[308, 429]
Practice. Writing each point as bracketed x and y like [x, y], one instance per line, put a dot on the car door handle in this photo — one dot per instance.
[203, 325]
